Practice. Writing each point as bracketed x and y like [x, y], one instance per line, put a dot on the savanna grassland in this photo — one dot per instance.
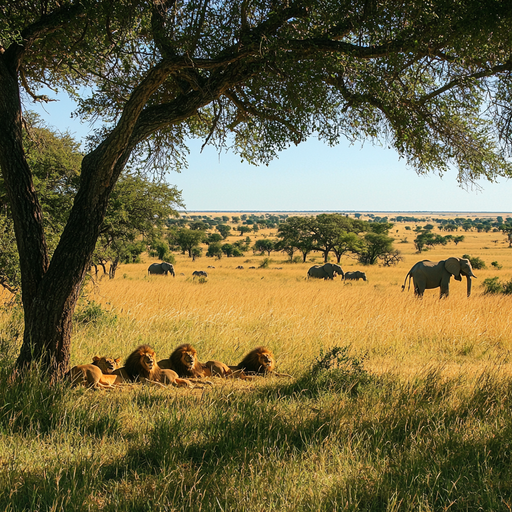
[395, 403]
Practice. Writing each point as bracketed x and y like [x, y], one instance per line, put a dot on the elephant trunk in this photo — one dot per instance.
[468, 278]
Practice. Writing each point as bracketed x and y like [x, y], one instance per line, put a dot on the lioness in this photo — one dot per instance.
[92, 376]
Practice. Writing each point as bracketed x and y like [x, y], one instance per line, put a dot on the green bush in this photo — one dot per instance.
[476, 262]
[492, 285]
[496, 265]
[92, 312]
[265, 263]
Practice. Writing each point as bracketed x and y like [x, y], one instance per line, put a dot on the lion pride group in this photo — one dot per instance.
[181, 369]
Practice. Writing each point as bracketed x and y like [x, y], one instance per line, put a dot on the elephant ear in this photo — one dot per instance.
[452, 265]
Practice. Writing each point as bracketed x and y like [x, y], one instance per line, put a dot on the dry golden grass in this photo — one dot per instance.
[333, 440]
[237, 310]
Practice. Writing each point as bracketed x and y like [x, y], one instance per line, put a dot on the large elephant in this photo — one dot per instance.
[161, 268]
[355, 276]
[326, 271]
[433, 274]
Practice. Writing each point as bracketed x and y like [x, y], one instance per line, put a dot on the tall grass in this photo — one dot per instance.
[396, 403]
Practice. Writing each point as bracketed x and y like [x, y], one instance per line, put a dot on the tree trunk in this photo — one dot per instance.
[50, 290]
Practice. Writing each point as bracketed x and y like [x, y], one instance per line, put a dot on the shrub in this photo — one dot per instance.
[265, 263]
[476, 262]
[496, 265]
[92, 312]
[492, 285]
[337, 370]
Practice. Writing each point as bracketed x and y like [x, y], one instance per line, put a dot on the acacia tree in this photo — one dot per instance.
[255, 76]
[296, 234]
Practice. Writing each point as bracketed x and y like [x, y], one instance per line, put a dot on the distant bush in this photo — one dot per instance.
[496, 265]
[492, 285]
[92, 312]
[476, 262]
[265, 263]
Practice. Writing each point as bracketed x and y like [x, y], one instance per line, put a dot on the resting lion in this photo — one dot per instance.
[259, 361]
[141, 366]
[99, 374]
[185, 363]
[108, 365]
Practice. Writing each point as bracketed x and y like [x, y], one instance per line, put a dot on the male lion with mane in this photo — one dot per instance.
[185, 363]
[141, 366]
[259, 361]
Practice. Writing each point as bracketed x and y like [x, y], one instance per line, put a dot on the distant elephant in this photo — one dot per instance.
[355, 276]
[199, 273]
[161, 268]
[326, 271]
[433, 274]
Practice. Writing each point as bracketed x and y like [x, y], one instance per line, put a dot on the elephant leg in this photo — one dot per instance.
[418, 291]
[445, 286]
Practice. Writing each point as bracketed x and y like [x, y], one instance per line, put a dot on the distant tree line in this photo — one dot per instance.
[339, 235]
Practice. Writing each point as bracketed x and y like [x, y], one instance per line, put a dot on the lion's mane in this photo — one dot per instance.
[135, 368]
[260, 360]
[181, 366]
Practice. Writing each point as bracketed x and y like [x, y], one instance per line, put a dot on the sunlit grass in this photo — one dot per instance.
[426, 427]
[236, 310]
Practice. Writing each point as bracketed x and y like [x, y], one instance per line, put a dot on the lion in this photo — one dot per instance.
[217, 369]
[98, 374]
[141, 366]
[220, 369]
[185, 363]
[259, 361]
[108, 365]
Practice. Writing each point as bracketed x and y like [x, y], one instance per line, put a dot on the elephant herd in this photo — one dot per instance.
[165, 268]
[424, 274]
[331, 270]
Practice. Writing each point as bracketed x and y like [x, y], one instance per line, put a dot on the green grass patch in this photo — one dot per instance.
[336, 438]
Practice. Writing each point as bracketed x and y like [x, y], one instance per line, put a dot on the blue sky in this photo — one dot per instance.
[310, 177]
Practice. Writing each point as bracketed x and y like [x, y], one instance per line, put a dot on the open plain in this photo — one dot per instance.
[395, 403]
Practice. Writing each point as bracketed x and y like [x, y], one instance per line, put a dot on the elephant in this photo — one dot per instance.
[161, 268]
[326, 271]
[356, 275]
[432, 274]
[199, 273]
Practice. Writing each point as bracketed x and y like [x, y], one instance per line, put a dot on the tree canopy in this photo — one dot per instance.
[137, 210]
[428, 79]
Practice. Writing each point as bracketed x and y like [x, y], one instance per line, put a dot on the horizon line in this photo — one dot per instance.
[227, 210]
